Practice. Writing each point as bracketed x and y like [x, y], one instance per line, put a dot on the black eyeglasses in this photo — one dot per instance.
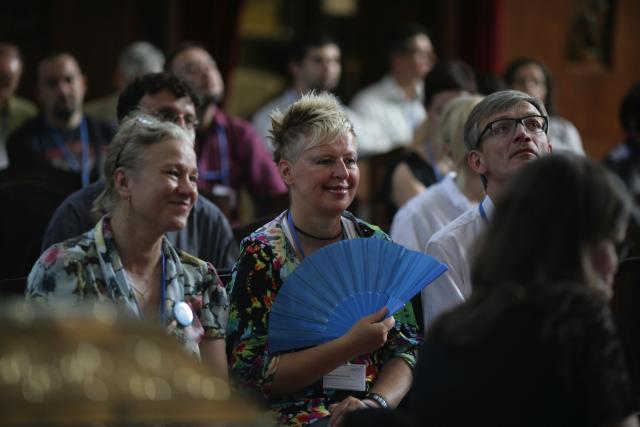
[168, 115]
[505, 128]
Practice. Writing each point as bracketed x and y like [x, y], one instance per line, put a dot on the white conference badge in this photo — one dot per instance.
[346, 377]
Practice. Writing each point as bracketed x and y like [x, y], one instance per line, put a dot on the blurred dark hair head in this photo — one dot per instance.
[630, 110]
[301, 46]
[552, 211]
[448, 76]
[150, 84]
[399, 37]
[512, 70]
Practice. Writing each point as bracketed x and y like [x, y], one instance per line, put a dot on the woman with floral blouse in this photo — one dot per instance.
[125, 258]
[315, 149]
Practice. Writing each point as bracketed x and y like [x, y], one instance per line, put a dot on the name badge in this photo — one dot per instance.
[346, 377]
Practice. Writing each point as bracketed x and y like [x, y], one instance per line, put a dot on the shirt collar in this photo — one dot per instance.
[393, 90]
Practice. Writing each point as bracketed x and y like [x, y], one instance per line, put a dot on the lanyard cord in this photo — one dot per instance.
[294, 233]
[71, 159]
[223, 154]
[163, 289]
[483, 213]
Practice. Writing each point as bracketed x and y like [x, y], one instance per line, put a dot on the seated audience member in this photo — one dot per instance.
[231, 155]
[315, 149]
[532, 77]
[207, 233]
[624, 159]
[423, 163]
[62, 136]
[314, 65]
[535, 344]
[135, 60]
[460, 190]
[503, 132]
[394, 103]
[14, 110]
[150, 190]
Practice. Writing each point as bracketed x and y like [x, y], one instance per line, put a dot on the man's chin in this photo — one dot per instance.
[63, 114]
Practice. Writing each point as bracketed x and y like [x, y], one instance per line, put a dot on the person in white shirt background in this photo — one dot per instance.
[394, 103]
[503, 132]
[314, 65]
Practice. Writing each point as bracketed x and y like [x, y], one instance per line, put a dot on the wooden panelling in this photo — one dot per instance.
[586, 94]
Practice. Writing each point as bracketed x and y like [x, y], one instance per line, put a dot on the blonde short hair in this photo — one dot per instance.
[313, 120]
[451, 129]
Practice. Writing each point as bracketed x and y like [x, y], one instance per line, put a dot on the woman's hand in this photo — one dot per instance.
[347, 405]
[370, 332]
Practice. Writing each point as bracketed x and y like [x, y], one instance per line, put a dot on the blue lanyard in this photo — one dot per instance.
[223, 154]
[294, 233]
[83, 167]
[163, 289]
[483, 213]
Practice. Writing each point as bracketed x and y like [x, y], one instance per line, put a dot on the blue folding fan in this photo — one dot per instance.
[339, 284]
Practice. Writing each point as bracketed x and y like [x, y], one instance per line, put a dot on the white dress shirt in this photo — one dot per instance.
[453, 246]
[425, 214]
[384, 108]
[563, 136]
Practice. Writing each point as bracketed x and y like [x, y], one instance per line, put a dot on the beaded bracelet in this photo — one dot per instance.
[381, 401]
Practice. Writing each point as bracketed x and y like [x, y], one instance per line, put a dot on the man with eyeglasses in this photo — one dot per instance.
[207, 234]
[503, 132]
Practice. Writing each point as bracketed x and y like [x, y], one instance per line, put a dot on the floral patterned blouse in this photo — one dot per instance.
[267, 257]
[88, 267]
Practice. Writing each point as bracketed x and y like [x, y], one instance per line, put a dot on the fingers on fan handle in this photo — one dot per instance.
[389, 323]
[378, 315]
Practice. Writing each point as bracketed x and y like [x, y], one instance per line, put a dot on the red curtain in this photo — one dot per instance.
[482, 35]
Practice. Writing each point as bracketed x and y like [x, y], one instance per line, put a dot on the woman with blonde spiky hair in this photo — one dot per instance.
[315, 150]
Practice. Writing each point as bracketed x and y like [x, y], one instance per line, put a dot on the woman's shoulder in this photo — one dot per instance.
[77, 248]
[192, 263]
[270, 234]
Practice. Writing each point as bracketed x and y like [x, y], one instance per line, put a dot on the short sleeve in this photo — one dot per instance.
[252, 291]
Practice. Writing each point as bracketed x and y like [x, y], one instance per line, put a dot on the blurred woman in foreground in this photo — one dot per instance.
[535, 344]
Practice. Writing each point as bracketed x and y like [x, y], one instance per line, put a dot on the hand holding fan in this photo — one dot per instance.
[343, 282]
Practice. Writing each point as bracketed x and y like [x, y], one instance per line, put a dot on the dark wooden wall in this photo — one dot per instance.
[587, 95]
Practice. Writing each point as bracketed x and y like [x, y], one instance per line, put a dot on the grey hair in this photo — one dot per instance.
[495, 103]
[140, 58]
[127, 149]
[315, 119]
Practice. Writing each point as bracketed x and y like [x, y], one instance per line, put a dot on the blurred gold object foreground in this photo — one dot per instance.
[94, 366]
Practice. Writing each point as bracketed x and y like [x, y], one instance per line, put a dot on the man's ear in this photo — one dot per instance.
[285, 169]
[475, 160]
[121, 183]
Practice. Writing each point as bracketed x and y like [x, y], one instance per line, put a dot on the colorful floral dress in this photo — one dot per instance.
[267, 257]
[88, 267]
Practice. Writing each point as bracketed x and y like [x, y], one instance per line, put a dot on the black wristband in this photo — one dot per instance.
[381, 401]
